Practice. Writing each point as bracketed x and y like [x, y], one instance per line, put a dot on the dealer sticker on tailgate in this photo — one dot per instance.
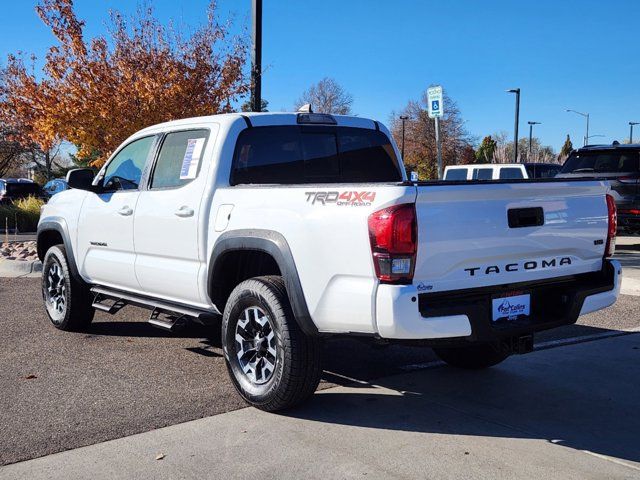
[510, 308]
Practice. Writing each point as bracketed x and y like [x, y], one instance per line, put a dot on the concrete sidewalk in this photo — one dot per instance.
[20, 269]
[569, 412]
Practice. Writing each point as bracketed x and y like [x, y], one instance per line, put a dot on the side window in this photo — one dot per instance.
[125, 169]
[179, 159]
[508, 173]
[456, 174]
[482, 173]
[268, 155]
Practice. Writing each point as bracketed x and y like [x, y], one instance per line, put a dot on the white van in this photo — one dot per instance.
[486, 171]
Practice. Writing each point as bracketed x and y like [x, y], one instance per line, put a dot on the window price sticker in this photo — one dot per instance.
[191, 159]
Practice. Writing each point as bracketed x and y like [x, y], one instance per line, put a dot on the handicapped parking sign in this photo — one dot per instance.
[434, 95]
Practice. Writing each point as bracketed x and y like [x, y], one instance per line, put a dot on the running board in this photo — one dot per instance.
[165, 315]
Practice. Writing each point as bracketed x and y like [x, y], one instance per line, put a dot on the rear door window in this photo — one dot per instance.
[179, 158]
[509, 173]
[313, 154]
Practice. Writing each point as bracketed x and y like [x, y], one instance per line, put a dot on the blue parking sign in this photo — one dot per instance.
[434, 97]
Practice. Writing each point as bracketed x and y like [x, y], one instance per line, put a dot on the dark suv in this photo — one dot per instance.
[620, 164]
[14, 189]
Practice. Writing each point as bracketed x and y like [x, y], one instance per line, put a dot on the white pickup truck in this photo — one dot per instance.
[289, 228]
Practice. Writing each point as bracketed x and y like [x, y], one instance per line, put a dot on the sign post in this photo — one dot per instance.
[436, 110]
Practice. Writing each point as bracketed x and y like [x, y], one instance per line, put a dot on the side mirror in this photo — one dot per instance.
[80, 178]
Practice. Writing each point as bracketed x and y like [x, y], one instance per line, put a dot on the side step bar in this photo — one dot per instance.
[165, 315]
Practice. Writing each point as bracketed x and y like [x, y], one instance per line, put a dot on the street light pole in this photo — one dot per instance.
[256, 56]
[587, 138]
[631, 124]
[404, 118]
[515, 130]
[586, 115]
[531, 124]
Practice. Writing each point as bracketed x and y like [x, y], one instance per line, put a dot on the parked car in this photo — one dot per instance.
[14, 189]
[485, 171]
[620, 165]
[55, 186]
[542, 170]
[283, 229]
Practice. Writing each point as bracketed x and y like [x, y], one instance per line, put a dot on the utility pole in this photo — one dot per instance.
[256, 56]
[631, 124]
[404, 118]
[439, 147]
[531, 124]
[517, 122]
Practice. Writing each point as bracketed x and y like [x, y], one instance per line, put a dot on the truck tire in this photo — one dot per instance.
[272, 363]
[472, 357]
[67, 300]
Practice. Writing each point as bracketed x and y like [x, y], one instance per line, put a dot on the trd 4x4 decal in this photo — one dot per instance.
[350, 199]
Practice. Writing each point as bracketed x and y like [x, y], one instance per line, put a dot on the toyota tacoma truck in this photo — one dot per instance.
[285, 229]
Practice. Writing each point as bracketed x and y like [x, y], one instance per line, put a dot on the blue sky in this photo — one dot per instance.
[582, 55]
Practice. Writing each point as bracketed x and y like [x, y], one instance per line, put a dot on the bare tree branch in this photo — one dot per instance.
[326, 96]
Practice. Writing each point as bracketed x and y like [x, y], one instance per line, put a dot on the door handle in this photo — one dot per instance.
[125, 211]
[184, 212]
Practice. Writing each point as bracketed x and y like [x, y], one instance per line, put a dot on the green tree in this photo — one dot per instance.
[566, 148]
[246, 106]
[486, 150]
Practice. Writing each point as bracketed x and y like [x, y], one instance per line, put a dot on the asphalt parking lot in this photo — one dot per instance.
[122, 377]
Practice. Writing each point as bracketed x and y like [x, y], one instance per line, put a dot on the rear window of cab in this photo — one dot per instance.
[299, 154]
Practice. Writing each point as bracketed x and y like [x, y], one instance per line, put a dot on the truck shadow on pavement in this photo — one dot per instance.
[582, 396]
[116, 328]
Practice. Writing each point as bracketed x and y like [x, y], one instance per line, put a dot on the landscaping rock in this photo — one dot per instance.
[19, 251]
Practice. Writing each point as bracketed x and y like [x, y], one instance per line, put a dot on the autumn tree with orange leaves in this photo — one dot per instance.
[95, 93]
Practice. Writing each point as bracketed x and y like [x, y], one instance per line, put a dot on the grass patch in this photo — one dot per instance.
[22, 214]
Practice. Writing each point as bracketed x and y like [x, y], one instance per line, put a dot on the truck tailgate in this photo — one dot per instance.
[482, 234]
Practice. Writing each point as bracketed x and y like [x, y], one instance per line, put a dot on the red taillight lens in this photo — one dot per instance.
[610, 247]
[393, 236]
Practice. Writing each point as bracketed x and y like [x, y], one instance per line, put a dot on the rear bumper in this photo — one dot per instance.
[464, 316]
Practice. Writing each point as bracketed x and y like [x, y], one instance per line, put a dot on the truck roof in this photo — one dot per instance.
[259, 119]
[611, 146]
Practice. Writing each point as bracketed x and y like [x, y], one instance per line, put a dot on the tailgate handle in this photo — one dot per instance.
[525, 217]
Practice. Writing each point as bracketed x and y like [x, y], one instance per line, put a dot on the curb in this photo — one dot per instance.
[17, 268]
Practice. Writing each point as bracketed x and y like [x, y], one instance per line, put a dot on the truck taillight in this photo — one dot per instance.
[393, 236]
[610, 247]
